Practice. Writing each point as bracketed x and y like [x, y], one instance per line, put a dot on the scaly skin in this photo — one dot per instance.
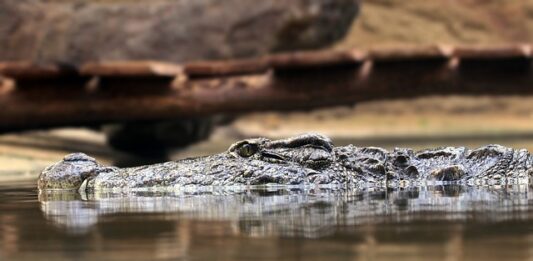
[303, 160]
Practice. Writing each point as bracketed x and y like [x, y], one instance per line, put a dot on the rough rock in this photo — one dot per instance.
[172, 30]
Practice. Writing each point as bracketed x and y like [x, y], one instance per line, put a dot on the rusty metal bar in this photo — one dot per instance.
[108, 92]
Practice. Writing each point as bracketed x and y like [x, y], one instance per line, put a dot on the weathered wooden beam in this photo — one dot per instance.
[410, 53]
[39, 107]
[320, 59]
[492, 52]
[110, 92]
[28, 70]
[292, 61]
[206, 69]
[131, 69]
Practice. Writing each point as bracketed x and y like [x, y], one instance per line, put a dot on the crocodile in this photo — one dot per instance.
[308, 159]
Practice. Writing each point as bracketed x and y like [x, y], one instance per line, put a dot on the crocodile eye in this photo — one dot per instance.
[247, 150]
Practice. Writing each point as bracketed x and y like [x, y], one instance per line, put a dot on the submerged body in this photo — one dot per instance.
[303, 160]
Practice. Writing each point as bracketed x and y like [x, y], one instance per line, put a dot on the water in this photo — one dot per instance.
[432, 223]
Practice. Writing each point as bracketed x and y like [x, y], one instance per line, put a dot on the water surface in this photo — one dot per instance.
[430, 223]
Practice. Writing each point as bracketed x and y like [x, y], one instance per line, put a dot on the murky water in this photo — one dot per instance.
[432, 223]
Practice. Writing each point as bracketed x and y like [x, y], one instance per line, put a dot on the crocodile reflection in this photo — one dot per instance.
[292, 212]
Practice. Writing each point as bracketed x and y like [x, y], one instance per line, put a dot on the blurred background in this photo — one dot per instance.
[71, 33]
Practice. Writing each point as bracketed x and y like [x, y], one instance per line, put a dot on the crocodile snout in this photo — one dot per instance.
[69, 173]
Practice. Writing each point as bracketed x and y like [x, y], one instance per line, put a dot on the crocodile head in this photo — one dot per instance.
[68, 173]
[292, 161]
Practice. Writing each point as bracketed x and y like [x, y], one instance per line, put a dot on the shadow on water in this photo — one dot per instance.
[440, 222]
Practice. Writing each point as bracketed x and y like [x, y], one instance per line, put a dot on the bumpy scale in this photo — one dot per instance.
[303, 160]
